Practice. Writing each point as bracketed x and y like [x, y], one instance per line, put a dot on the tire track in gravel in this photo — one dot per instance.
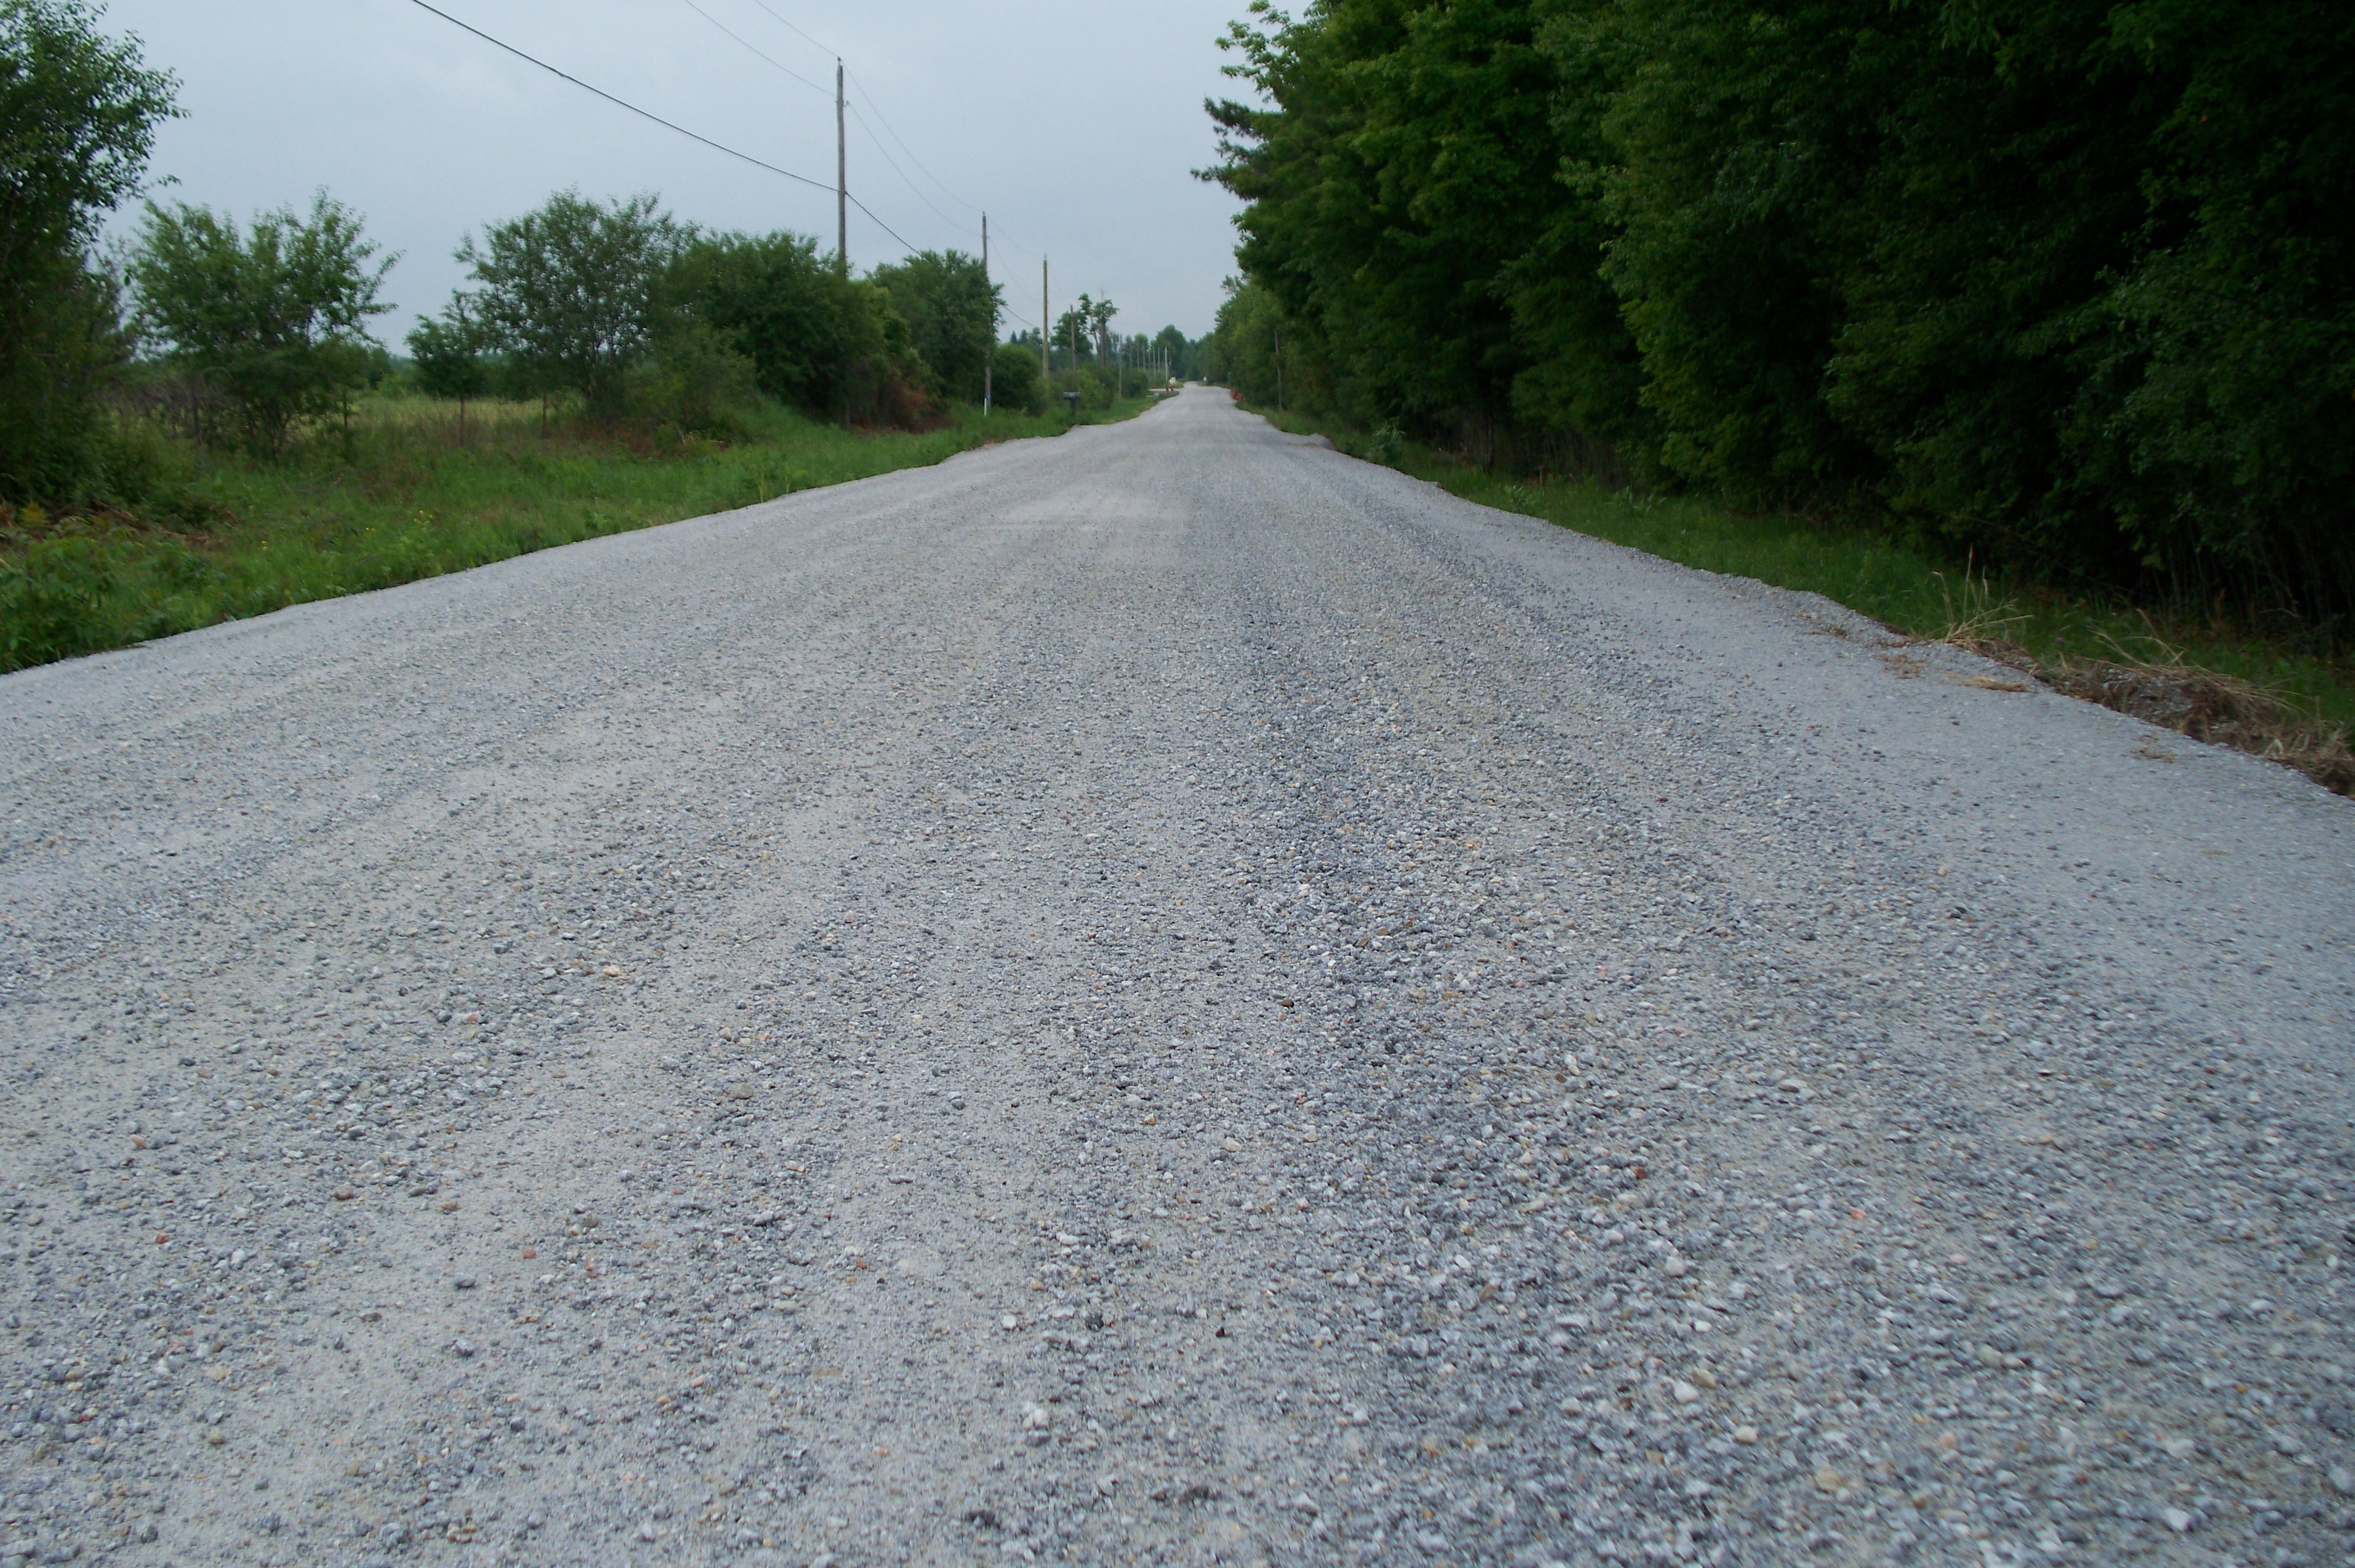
[1449, 1043]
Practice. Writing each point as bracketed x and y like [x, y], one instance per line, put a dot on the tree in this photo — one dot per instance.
[832, 346]
[449, 357]
[78, 116]
[1171, 350]
[1240, 351]
[573, 290]
[1016, 375]
[2068, 284]
[275, 319]
[697, 374]
[951, 309]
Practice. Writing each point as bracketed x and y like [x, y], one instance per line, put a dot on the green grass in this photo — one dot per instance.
[402, 498]
[1887, 579]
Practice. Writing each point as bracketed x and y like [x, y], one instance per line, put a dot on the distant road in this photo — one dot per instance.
[1160, 995]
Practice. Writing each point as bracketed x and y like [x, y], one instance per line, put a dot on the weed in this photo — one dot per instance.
[409, 496]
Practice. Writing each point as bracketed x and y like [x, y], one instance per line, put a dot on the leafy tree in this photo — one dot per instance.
[273, 319]
[1172, 350]
[448, 353]
[831, 345]
[78, 116]
[1242, 349]
[696, 375]
[951, 309]
[1405, 163]
[1015, 374]
[573, 290]
[2070, 284]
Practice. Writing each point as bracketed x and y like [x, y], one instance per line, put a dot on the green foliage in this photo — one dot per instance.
[696, 376]
[232, 536]
[273, 320]
[830, 345]
[2068, 284]
[951, 309]
[78, 115]
[1174, 351]
[1241, 350]
[1085, 329]
[1013, 374]
[573, 291]
[448, 354]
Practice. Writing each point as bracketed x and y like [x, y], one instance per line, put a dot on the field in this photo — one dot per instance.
[405, 493]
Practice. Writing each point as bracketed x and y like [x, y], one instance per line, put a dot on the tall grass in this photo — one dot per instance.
[401, 495]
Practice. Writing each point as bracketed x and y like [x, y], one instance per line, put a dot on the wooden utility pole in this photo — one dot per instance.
[987, 360]
[1046, 325]
[841, 179]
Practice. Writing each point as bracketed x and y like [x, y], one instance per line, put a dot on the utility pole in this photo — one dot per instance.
[841, 179]
[842, 214]
[1046, 325]
[987, 360]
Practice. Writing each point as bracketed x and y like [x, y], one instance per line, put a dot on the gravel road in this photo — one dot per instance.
[1165, 995]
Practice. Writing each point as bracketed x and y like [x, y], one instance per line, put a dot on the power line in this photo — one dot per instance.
[764, 55]
[903, 144]
[764, 5]
[813, 86]
[902, 141]
[893, 130]
[880, 224]
[904, 180]
[624, 103]
[681, 130]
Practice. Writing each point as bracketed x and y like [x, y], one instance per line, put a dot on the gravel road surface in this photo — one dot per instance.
[1165, 995]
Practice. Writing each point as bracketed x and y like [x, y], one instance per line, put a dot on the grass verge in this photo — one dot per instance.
[406, 494]
[2205, 678]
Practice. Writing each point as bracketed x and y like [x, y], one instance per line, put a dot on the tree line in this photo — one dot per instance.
[255, 334]
[2063, 283]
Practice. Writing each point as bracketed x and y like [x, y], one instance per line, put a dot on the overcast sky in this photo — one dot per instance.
[1076, 125]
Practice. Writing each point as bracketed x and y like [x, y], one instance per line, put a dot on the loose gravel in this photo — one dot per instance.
[1161, 996]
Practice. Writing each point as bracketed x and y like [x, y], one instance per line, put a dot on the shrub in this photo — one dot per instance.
[1013, 374]
[573, 291]
[275, 320]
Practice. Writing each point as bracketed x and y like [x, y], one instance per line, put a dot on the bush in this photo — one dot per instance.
[830, 345]
[573, 291]
[275, 320]
[951, 309]
[1013, 374]
[696, 378]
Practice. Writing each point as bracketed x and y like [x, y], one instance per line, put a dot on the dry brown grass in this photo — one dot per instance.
[2166, 690]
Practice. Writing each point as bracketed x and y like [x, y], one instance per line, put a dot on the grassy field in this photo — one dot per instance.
[406, 494]
[1899, 585]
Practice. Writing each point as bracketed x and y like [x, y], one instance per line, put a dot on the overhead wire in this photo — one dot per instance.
[890, 130]
[779, 65]
[902, 141]
[764, 5]
[722, 147]
[623, 103]
[904, 180]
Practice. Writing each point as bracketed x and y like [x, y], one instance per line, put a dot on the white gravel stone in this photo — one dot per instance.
[1169, 955]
